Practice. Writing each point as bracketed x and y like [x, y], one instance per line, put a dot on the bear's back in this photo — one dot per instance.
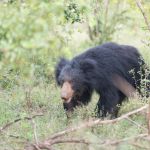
[111, 53]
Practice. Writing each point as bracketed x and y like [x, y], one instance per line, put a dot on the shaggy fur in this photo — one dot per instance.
[94, 70]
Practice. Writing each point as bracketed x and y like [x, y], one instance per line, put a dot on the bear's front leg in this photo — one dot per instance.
[108, 104]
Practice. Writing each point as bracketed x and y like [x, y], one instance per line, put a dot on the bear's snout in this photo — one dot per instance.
[66, 92]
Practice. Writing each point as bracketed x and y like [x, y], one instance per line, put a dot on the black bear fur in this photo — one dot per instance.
[94, 70]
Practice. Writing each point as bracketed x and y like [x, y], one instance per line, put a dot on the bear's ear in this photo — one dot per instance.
[62, 63]
[87, 65]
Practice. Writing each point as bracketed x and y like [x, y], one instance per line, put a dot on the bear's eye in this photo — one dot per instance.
[61, 82]
[70, 81]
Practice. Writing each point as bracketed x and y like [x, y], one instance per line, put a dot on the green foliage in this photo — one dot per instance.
[144, 74]
[30, 39]
[105, 19]
[72, 12]
[101, 19]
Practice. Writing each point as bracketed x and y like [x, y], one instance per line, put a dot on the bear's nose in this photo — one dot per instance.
[66, 92]
[64, 97]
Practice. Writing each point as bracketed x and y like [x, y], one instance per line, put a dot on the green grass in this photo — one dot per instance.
[26, 96]
[29, 98]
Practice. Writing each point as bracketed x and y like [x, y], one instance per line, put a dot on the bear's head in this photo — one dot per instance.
[73, 78]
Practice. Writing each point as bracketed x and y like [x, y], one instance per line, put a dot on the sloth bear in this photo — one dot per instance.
[105, 69]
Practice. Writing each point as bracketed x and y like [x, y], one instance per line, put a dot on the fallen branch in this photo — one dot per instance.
[55, 139]
[47, 144]
[17, 120]
[97, 122]
[103, 143]
[59, 141]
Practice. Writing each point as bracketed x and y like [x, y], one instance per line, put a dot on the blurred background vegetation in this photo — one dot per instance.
[35, 33]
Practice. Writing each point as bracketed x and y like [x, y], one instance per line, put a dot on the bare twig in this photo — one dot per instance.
[125, 139]
[138, 3]
[139, 146]
[106, 2]
[34, 131]
[17, 120]
[71, 141]
[49, 143]
[135, 123]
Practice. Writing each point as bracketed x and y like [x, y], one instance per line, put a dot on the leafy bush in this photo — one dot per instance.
[30, 39]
